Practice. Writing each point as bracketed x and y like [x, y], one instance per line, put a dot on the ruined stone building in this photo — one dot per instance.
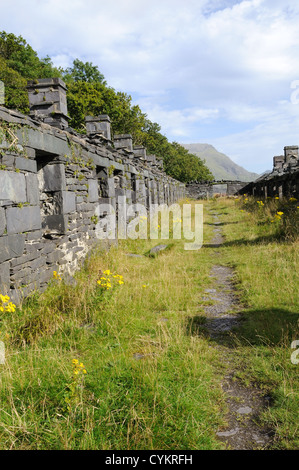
[282, 181]
[53, 181]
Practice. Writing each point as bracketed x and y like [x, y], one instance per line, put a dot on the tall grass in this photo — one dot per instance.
[282, 214]
[153, 380]
[150, 383]
[265, 258]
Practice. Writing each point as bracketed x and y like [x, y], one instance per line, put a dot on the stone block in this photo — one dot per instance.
[52, 178]
[53, 257]
[4, 277]
[26, 164]
[23, 219]
[85, 206]
[42, 141]
[11, 246]
[2, 221]
[16, 245]
[30, 152]
[46, 275]
[29, 257]
[110, 188]
[36, 235]
[120, 192]
[100, 161]
[4, 249]
[32, 189]
[93, 190]
[21, 276]
[8, 160]
[37, 263]
[55, 223]
[68, 202]
[12, 186]
[49, 246]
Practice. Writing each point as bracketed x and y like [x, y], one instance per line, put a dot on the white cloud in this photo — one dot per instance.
[193, 65]
[178, 122]
[255, 147]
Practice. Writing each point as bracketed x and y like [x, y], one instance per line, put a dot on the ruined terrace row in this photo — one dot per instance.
[52, 182]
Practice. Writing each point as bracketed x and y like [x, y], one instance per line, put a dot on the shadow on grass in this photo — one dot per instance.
[265, 327]
[220, 224]
[263, 240]
[272, 327]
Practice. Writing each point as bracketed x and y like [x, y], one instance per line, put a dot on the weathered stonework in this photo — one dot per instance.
[198, 190]
[283, 181]
[52, 182]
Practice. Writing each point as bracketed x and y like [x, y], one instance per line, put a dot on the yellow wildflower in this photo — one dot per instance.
[5, 305]
[56, 276]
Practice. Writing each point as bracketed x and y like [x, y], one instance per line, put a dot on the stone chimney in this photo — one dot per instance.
[140, 152]
[123, 141]
[160, 163]
[151, 159]
[290, 151]
[278, 162]
[47, 101]
[97, 126]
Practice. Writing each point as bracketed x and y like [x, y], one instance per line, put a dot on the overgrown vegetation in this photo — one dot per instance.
[148, 385]
[277, 217]
[265, 257]
[152, 380]
[89, 94]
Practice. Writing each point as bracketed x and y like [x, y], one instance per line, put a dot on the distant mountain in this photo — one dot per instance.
[222, 167]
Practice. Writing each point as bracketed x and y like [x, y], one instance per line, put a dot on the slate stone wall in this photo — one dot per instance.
[283, 181]
[281, 185]
[197, 190]
[52, 182]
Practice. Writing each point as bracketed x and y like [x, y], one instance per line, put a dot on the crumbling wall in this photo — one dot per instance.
[53, 181]
[207, 190]
[283, 181]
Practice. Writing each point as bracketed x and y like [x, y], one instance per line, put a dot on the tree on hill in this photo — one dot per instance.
[23, 59]
[16, 96]
[83, 72]
[89, 94]
[19, 63]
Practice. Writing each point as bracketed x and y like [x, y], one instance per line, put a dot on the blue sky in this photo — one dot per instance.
[217, 72]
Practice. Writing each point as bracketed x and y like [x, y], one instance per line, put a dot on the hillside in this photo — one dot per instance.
[222, 167]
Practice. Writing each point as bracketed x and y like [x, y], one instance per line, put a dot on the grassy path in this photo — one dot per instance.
[157, 374]
[245, 404]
